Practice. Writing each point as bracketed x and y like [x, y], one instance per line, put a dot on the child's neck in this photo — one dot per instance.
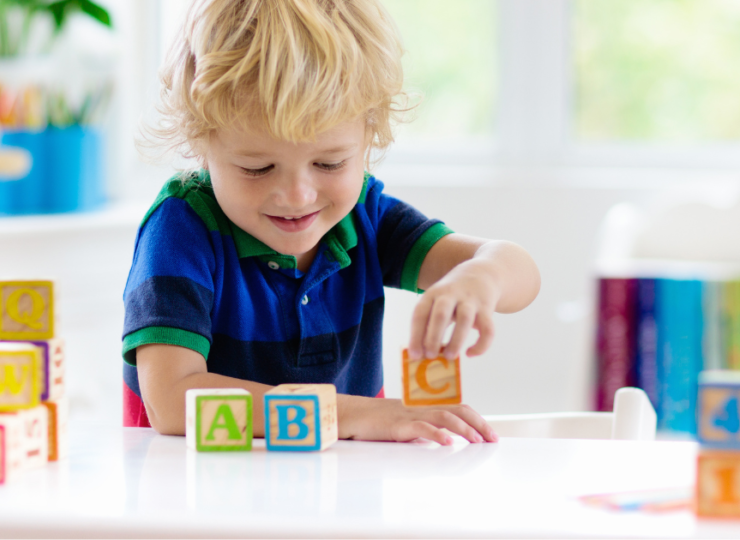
[303, 261]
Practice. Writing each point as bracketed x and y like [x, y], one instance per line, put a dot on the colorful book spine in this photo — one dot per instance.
[712, 343]
[680, 331]
[731, 315]
[646, 350]
[615, 339]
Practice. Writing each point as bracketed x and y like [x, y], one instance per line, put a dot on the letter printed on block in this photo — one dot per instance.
[218, 419]
[20, 375]
[718, 484]
[719, 409]
[301, 417]
[26, 310]
[430, 381]
[35, 436]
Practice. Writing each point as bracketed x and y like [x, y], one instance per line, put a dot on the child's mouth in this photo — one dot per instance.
[293, 223]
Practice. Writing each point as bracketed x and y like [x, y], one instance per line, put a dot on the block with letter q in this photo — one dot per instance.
[26, 310]
[431, 381]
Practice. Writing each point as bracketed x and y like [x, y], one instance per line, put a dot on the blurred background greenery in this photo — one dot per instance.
[451, 63]
[642, 70]
[664, 70]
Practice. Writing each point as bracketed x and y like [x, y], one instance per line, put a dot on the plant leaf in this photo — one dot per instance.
[96, 11]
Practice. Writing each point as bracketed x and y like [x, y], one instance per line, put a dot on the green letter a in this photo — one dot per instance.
[227, 421]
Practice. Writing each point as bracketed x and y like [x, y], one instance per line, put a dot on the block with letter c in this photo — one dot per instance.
[431, 381]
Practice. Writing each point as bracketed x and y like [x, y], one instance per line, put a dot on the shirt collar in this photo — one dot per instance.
[339, 239]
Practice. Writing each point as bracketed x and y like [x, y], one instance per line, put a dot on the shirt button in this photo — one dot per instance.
[304, 300]
[273, 265]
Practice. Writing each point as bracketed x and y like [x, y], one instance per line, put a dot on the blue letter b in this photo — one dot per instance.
[284, 423]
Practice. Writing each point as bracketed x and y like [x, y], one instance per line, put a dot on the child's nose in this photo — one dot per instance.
[296, 191]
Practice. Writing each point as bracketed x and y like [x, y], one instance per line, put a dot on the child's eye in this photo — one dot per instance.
[257, 172]
[330, 166]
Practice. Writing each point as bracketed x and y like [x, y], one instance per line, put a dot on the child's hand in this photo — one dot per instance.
[371, 419]
[467, 296]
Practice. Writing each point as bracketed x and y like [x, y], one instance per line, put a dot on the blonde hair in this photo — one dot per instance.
[297, 67]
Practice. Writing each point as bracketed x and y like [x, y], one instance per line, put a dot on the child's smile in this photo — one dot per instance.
[288, 195]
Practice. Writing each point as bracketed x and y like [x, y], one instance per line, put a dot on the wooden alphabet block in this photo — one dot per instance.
[35, 423]
[218, 419]
[718, 484]
[58, 416]
[301, 417]
[20, 376]
[719, 409]
[26, 310]
[12, 450]
[52, 379]
[430, 381]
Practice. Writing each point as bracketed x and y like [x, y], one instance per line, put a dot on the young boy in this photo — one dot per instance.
[267, 266]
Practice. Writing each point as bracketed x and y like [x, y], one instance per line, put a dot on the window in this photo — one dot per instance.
[657, 70]
[458, 98]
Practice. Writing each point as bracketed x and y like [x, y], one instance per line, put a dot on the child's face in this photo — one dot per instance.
[288, 195]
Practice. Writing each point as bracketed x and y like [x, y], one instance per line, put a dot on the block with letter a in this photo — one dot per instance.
[301, 417]
[218, 419]
[430, 381]
[20, 376]
[718, 484]
[26, 310]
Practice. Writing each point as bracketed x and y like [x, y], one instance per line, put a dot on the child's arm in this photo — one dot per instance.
[466, 280]
[166, 372]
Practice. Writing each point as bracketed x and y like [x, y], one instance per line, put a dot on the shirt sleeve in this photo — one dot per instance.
[169, 294]
[404, 236]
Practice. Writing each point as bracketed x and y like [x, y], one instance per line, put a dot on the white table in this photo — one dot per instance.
[134, 483]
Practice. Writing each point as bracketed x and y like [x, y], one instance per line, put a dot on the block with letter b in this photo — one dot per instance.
[431, 381]
[218, 419]
[719, 409]
[26, 310]
[20, 376]
[301, 417]
[718, 484]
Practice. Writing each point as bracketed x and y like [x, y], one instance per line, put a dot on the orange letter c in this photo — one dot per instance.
[421, 376]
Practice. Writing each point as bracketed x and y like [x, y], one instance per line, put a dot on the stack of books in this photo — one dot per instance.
[33, 407]
[659, 330]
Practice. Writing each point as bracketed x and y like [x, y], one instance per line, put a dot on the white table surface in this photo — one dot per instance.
[134, 483]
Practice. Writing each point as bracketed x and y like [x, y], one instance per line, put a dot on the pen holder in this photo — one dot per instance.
[66, 172]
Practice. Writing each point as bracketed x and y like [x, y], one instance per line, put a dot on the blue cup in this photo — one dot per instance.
[66, 173]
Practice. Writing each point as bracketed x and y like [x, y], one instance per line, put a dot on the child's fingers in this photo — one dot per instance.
[440, 318]
[419, 429]
[452, 421]
[476, 421]
[484, 325]
[464, 319]
[418, 327]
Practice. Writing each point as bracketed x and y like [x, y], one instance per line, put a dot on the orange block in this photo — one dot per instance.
[718, 484]
[58, 415]
[431, 381]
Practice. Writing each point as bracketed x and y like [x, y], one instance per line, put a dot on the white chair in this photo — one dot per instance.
[633, 419]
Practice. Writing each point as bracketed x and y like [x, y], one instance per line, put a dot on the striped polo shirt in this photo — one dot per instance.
[199, 281]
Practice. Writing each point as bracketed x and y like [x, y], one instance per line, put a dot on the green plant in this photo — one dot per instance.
[17, 16]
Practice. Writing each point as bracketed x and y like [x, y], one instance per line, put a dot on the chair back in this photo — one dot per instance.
[633, 418]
